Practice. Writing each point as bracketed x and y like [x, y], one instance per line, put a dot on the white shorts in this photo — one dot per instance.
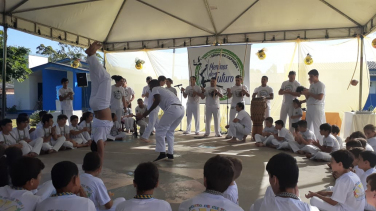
[101, 129]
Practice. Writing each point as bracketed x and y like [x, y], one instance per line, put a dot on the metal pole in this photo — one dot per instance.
[361, 73]
[5, 37]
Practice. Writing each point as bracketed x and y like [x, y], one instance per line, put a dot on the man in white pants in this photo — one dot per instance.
[173, 114]
[145, 91]
[129, 93]
[212, 95]
[47, 132]
[66, 98]
[288, 90]
[193, 92]
[315, 98]
[240, 126]
[266, 92]
[237, 94]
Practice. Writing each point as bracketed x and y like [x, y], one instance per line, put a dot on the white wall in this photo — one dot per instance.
[26, 93]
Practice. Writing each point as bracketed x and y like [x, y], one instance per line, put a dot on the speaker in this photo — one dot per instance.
[81, 79]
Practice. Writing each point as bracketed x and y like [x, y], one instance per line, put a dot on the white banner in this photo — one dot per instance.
[224, 62]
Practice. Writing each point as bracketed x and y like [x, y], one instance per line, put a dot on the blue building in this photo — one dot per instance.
[372, 87]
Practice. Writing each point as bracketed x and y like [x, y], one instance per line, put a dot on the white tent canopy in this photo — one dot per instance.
[138, 24]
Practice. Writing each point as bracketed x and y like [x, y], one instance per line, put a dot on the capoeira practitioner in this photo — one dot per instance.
[288, 90]
[240, 126]
[169, 82]
[145, 91]
[129, 93]
[173, 114]
[118, 97]
[237, 94]
[66, 98]
[193, 92]
[266, 92]
[212, 95]
[315, 98]
[141, 109]
[100, 99]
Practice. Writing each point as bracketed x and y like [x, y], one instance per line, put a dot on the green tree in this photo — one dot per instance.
[64, 51]
[17, 62]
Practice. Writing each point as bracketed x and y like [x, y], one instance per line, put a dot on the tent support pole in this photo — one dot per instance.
[3, 101]
[361, 73]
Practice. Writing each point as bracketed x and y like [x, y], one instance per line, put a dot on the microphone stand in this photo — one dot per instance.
[181, 100]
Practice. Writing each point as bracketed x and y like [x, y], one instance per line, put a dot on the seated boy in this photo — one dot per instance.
[335, 132]
[66, 181]
[370, 132]
[356, 151]
[365, 144]
[269, 130]
[116, 132]
[367, 162]
[62, 130]
[348, 191]
[33, 134]
[232, 191]
[51, 142]
[76, 132]
[218, 175]
[353, 143]
[25, 175]
[282, 140]
[330, 144]
[283, 193]
[146, 179]
[303, 138]
[94, 186]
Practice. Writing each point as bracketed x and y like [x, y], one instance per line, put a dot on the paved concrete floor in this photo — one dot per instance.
[183, 178]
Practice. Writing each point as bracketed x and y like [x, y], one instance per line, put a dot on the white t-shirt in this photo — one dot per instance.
[372, 142]
[349, 193]
[237, 95]
[43, 132]
[364, 176]
[270, 130]
[139, 110]
[39, 125]
[208, 202]
[144, 204]
[86, 124]
[359, 172]
[67, 103]
[244, 119]
[189, 91]
[128, 111]
[167, 98]
[212, 102]
[11, 199]
[117, 94]
[232, 193]
[271, 202]
[296, 112]
[63, 131]
[9, 139]
[115, 129]
[331, 141]
[95, 190]
[264, 92]
[369, 147]
[316, 88]
[20, 134]
[173, 90]
[145, 90]
[283, 132]
[128, 93]
[77, 128]
[308, 135]
[289, 86]
[340, 142]
[66, 203]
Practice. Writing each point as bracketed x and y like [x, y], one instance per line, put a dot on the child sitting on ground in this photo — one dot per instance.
[283, 193]
[353, 143]
[33, 134]
[51, 142]
[356, 152]
[296, 113]
[335, 132]
[348, 192]
[365, 144]
[303, 138]
[86, 121]
[76, 133]
[94, 186]
[218, 175]
[116, 130]
[146, 179]
[66, 181]
[370, 132]
[232, 193]
[25, 175]
[367, 162]
[282, 139]
[269, 130]
[128, 119]
[62, 130]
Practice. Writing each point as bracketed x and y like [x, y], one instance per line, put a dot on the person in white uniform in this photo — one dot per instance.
[232, 192]
[315, 99]
[371, 190]
[66, 98]
[266, 92]
[303, 138]
[128, 120]
[33, 134]
[118, 102]
[283, 192]
[100, 100]
[76, 133]
[173, 114]
[140, 110]
[116, 130]
[145, 91]
[193, 92]
[268, 131]
[212, 95]
[367, 162]
[62, 130]
[129, 93]
[288, 90]
[237, 94]
[69, 193]
[169, 82]
[48, 133]
[240, 126]
[25, 174]
[218, 175]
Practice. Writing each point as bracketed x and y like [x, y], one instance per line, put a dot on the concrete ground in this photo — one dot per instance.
[183, 178]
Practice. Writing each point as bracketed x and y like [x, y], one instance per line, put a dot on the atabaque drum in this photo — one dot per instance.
[258, 106]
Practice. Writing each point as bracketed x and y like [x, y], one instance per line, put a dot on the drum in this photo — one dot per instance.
[258, 106]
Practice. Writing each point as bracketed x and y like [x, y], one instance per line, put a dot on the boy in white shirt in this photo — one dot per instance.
[232, 193]
[268, 131]
[193, 92]
[48, 133]
[94, 186]
[146, 179]
[128, 120]
[237, 94]
[218, 175]
[87, 121]
[62, 130]
[129, 93]
[356, 151]
[335, 132]
[33, 134]
[303, 138]
[370, 132]
[66, 181]
[116, 130]
[266, 92]
[66, 98]
[241, 126]
[296, 114]
[348, 192]
[367, 162]
[371, 190]
[280, 140]
[25, 175]
[283, 193]
[169, 82]
[76, 133]
[145, 90]
[143, 123]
